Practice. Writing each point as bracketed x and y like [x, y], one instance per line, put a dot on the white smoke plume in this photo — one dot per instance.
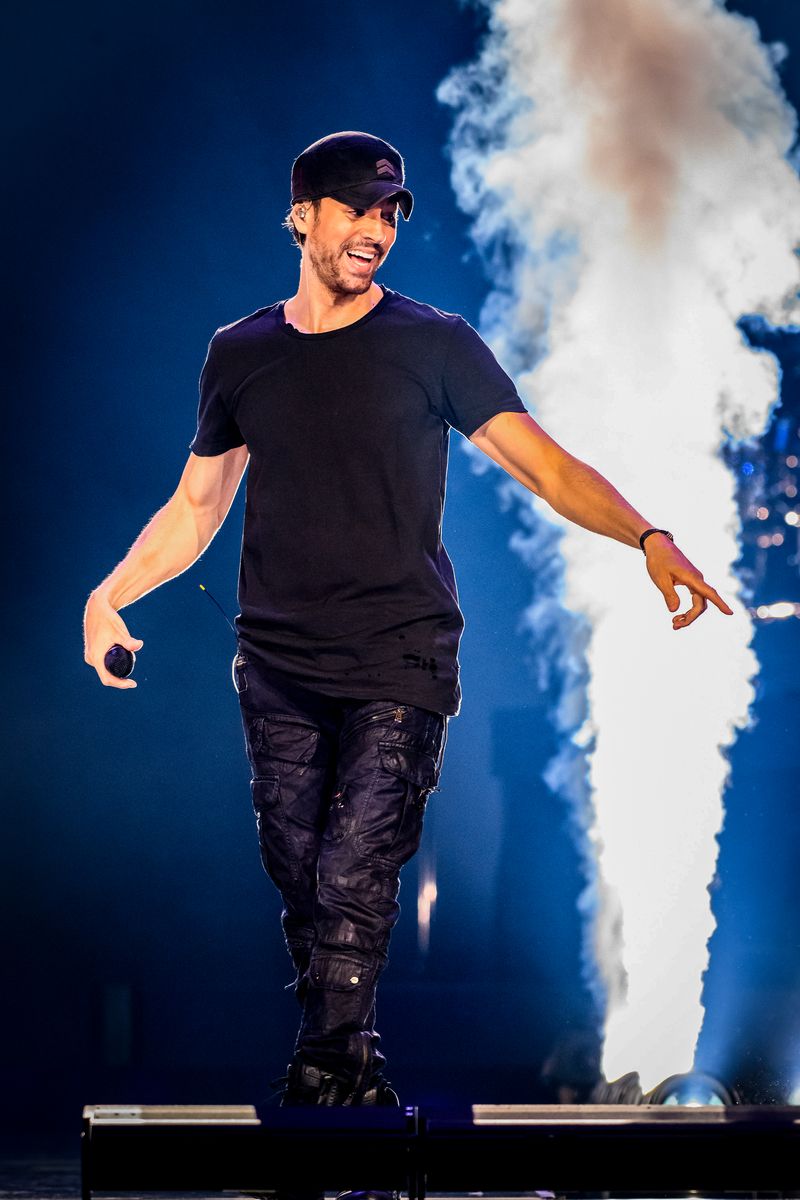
[625, 163]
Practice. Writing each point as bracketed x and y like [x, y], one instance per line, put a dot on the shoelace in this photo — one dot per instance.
[280, 1086]
[381, 1087]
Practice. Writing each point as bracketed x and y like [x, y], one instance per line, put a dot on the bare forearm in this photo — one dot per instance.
[581, 494]
[171, 541]
[575, 490]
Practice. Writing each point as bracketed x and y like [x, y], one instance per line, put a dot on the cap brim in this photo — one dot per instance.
[367, 195]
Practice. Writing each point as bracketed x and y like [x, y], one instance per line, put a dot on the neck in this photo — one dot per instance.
[314, 308]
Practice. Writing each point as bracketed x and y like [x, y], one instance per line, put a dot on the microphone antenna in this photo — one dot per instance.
[203, 588]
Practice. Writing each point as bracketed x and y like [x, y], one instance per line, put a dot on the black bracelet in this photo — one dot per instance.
[647, 533]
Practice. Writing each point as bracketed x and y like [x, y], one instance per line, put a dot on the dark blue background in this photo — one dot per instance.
[150, 156]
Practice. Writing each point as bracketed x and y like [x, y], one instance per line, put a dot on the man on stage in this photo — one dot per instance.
[341, 399]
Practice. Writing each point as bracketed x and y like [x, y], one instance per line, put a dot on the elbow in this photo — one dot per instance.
[521, 447]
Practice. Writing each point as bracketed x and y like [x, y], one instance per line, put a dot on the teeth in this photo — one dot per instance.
[359, 254]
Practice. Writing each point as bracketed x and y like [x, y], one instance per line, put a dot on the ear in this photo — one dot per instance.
[301, 215]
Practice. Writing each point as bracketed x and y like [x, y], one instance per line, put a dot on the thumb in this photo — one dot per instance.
[671, 597]
[132, 643]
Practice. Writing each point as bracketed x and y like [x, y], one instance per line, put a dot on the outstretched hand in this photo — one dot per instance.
[668, 567]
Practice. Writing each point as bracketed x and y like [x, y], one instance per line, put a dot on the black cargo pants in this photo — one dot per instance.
[339, 791]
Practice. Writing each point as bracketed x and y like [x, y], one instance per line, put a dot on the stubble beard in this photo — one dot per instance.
[327, 267]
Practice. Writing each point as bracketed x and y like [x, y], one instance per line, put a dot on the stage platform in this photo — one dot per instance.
[614, 1150]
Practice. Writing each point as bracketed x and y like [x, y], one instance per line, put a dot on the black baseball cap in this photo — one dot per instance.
[353, 167]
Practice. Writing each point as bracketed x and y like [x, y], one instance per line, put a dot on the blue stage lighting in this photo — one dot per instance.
[693, 1090]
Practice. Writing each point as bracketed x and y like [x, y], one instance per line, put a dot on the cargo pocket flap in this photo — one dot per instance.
[288, 741]
[336, 973]
[415, 765]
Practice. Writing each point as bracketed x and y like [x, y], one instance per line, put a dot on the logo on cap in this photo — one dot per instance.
[384, 167]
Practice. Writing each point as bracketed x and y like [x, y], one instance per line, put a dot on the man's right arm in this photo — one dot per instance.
[171, 541]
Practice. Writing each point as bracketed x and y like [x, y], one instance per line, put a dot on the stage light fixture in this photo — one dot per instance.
[692, 1090]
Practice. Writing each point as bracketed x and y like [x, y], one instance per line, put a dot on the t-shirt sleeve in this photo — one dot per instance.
[217, 430]
[474, 385]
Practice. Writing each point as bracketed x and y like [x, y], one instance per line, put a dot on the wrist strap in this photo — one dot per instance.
[647, 533]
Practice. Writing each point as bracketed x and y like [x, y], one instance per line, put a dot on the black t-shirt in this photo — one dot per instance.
[344, 582]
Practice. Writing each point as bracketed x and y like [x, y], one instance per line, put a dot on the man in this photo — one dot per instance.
[342, 398]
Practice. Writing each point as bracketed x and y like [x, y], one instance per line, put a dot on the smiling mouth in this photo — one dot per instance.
[362, 260]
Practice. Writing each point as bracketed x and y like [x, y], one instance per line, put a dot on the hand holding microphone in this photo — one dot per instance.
[106, 634]
[108, 646]
[119, 662]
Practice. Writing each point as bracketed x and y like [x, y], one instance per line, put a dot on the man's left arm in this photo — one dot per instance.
[575, 490]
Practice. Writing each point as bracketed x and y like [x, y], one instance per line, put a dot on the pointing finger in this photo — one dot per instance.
[698, 585]
[715, 598]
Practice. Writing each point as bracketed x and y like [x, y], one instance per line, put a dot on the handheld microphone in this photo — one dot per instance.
[119, 662]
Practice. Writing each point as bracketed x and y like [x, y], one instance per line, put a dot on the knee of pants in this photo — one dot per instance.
[356, 900]
[374, 827]
[291, 782]
[290, 786]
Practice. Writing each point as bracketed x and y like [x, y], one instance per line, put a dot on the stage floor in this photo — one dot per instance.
[59, 1178]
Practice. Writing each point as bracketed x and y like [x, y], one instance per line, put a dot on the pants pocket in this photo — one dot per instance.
[338, 973]
[390, 828]
[415, 765]
[273, 837]
[289, 744]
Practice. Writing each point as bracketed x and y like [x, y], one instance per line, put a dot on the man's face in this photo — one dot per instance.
[345, 246]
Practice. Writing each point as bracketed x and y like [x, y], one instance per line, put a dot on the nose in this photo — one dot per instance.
[373, 228]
